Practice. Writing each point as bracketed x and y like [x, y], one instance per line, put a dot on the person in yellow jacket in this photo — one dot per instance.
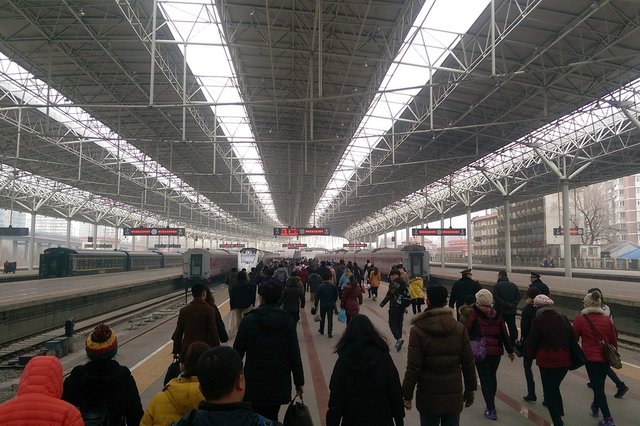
[374, 280]
[180, 395]
[416, 292]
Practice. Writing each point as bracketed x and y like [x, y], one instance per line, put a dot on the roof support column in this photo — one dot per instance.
[407, 235]
[152, 72]
[442, 241]
[68, 237]
[133, 243]
[566, 226]
[95, 236]
[507, 234]
[385, 240]
[116, 239]
[469, 248]
[32, 241]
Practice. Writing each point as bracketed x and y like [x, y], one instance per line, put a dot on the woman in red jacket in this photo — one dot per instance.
[593, 316]
[351, 298]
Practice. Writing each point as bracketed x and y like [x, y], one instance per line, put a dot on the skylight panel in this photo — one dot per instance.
[439, 26]
[198, 22]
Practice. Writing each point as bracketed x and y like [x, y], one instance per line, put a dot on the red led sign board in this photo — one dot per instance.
[295, 232]
[458, 232]
[231, 245]
[153, 231]
[294, 245]
[354, 245]
[572, 231]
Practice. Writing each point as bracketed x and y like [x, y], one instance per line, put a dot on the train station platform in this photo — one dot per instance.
[319, 358]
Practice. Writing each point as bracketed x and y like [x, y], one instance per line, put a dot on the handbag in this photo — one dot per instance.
[575, 351]
[173, 371]
[297, 414]
[610, 351]
[342, 315]
[479, 349]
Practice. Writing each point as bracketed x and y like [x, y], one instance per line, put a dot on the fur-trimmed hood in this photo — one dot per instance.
[593, 310]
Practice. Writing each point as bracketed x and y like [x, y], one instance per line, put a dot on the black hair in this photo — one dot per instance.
[503, 274]
[242, 275]
[532, 292]
[191, 355]
[270, 291]
[470, 299]
[197, 290]
[394, 271]
[218, 370]
[327, 275]
[437, 296]
[359, 329]
[353, 280]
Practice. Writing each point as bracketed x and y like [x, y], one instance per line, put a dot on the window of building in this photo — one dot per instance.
[622, 215]
[620, 191]
[621, 203]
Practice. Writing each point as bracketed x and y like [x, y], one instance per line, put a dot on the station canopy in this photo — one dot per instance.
[230, 117]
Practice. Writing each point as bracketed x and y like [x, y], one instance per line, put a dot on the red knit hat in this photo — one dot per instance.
[102, 343]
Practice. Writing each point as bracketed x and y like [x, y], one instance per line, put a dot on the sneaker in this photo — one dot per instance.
[321, 332]
[595, 411]
[491, 414]
[621, 391]
[330, 336]
[589, 385]
[399, 344]
[607, 422]
[530, 398]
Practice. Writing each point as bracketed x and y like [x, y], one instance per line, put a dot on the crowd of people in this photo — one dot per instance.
[456, 340]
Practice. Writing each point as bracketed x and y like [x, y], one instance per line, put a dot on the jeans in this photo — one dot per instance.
[328, 314]
[510, 321]
[396, 316]
[613, 376]
[528, 375]
[487, 371]
[551, 379]
[597, 372]
[446, 420]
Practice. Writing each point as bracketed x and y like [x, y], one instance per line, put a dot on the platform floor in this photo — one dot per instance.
[319, 359]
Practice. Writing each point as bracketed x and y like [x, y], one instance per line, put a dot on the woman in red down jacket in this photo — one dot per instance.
[597, 364]
[38, 401]
[485, 322]
[351, 298]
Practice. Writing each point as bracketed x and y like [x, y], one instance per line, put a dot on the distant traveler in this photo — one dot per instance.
[196, 322]
[438, 359]
[537, 282]
[223, 385]
[314, 282]
[465, 310]
[102, 388]
[181, 394]
[222, 330]
[326, 297]
[267, 338]
[242, 296]
[592, 326]
[548, 342]
[365, 384]
[507, 296]
[397, 292]
[526, 320]
[462, 288]
[38, 399]
[292, 298]
[351, 298]
[375, 277]
[416, 292]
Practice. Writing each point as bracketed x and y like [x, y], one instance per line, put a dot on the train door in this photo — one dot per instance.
[196, 265]
[416, 265]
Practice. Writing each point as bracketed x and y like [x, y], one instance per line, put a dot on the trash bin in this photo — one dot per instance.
[68, 328]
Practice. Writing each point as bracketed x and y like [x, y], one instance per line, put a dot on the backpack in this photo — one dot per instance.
[403, 299]
[95, 416]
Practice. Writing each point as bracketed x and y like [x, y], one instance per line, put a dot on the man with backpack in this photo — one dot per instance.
[398, 299]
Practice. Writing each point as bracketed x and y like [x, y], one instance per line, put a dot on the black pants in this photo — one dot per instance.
[551, 379]
[528, 375]
[396, 316]
[328, 314]
[487, 370]
[597, 372]
[268, 411]
[510, 320]
[374, 291]
[416, 305]
[445, 420]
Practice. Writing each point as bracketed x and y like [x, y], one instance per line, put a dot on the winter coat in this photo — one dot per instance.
[314, 282]
[236, 414]
[461, 289]
[344, 280]
[549, 338]
[463, 313]
[177, 398]
[544, 289]
[526, 319]
[507, 296]
[486, 322]
[242, 295]
[351, 299]
[196, 322]
[98, 381]
[267, 337]
[416, 286]
[365, 387]
[292, 298]
[438, 358]
[591, 347]
[374, 279]
[327, 295]
[38, 398]
[396, 287]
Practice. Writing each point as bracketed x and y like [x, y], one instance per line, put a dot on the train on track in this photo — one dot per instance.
[64, 262]
[250, 257]
[414, 258]
[201, 265]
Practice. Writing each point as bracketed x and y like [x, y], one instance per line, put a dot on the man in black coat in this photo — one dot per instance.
[462, 288]
[537, 282]
[507, 296]
[267, 337]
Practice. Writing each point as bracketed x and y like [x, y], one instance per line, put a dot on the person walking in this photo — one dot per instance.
[196, 322]
[462, 288]
[375, 277]
[394, 296]
[242, 296]
[416, 292]
[327, 297]
[549, 343]
[38, 399]
[314, 282]
[526, 319]
[592, 327]
[268, 341]
[439, 361]
[485, 323]
[534, 277]
[507, 296]
[292, 298]
[351, 298]
[365, 385]
[103, 388]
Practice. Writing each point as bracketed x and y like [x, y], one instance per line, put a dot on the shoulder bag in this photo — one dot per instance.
[610, 351]
[575, 351]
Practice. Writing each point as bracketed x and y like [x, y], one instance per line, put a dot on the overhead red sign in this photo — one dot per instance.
[294, 232]
[231, 245]
[294, 245]
[153, 231]
[460, 232]
[354, 245]
[572, 231]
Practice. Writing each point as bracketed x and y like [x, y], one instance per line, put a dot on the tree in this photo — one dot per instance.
[593, 213]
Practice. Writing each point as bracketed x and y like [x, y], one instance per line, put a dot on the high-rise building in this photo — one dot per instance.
[624, 195]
